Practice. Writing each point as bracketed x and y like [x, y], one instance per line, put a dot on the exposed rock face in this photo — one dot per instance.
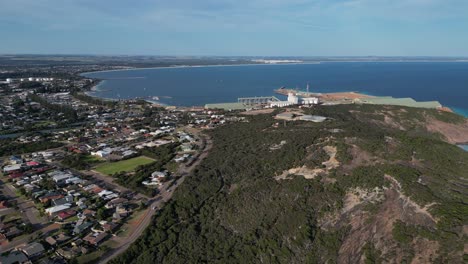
[454, 133]
[391, 205]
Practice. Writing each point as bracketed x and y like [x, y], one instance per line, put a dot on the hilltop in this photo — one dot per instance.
[372, 184]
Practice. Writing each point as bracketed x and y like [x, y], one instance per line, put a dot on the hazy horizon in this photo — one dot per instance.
[290, 28]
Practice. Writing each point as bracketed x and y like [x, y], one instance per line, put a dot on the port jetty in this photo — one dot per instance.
[307, 98]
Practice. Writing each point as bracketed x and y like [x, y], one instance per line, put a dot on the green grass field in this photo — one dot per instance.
[124, 165]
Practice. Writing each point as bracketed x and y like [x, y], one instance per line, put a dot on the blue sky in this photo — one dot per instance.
[236, 27]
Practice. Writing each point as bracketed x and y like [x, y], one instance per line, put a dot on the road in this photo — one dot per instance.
[183, 171]
[28, 210]
[29, 214]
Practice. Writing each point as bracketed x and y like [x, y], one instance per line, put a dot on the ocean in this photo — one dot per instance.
[446, 82]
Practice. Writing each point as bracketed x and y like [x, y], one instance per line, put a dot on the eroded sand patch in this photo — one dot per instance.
[311, 173]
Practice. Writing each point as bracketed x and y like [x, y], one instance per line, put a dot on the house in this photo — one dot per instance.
[121, 210]
[105, 193]
[68, 252]
[73, 180]
[51, 241]
[81, 226]
[15, 175]
[50, 196]
[56, 209]
[12, 232]
[58, 239]
[151, 183]
[179, 159]
[102, 153]
[32, 163]
[89, 213]
[62, 201]
[12, 168]
[128, 153]
[66, 214]
[95, 238]
[33, 250]
[62, 177]
[109, 227]
[186, 147]
[16, 160]
[114, 202]
[13, 257]
[158, 174]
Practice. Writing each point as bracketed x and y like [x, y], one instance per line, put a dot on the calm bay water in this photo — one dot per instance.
[446, 82]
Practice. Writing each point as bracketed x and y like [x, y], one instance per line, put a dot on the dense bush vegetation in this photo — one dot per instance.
[232, 210]
[10, 147]
[67, 111]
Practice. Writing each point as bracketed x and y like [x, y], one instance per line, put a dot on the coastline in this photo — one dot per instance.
[95, 88]
[198, 66]
[272, 64]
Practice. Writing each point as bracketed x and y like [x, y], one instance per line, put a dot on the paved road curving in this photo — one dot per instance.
[157, 203]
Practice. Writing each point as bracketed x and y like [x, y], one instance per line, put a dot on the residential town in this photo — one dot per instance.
[80, 176]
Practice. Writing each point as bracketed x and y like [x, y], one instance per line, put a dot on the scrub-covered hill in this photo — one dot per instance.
[372, 184]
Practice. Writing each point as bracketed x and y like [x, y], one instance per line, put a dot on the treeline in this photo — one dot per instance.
[79, 161]
[93, 100]
[68, 112]
[10, 147]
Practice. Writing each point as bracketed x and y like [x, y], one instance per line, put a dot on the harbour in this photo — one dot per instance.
[198, 86]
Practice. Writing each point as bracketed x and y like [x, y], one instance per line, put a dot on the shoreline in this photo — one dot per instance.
[457, 110]
[198, 66]
[271, 64]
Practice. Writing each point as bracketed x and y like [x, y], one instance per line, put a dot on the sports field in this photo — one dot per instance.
[124, 165]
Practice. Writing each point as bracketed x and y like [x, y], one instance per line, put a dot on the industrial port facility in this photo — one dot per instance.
[307, 98]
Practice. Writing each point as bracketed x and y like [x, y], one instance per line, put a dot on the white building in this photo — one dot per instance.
[102, 153]
[9, 80]
[158, 174]
[310, 100]
[58, 208]
[62, 177]
[295, 100]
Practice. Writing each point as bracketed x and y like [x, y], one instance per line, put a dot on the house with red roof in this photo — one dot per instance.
[66, 214]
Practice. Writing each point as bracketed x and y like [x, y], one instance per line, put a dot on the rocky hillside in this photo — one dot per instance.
[372, 184]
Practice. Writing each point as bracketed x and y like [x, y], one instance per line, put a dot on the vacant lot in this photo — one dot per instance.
[124, 165]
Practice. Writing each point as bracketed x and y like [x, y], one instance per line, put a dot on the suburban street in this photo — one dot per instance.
[158, 201]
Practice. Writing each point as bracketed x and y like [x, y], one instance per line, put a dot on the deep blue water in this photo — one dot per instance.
[446, 82]
[465, 147]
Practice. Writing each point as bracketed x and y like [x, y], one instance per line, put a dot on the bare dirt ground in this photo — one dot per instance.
[391, 205]
[454, 133]
[342, 96]
[310, 173]
[258, 112]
